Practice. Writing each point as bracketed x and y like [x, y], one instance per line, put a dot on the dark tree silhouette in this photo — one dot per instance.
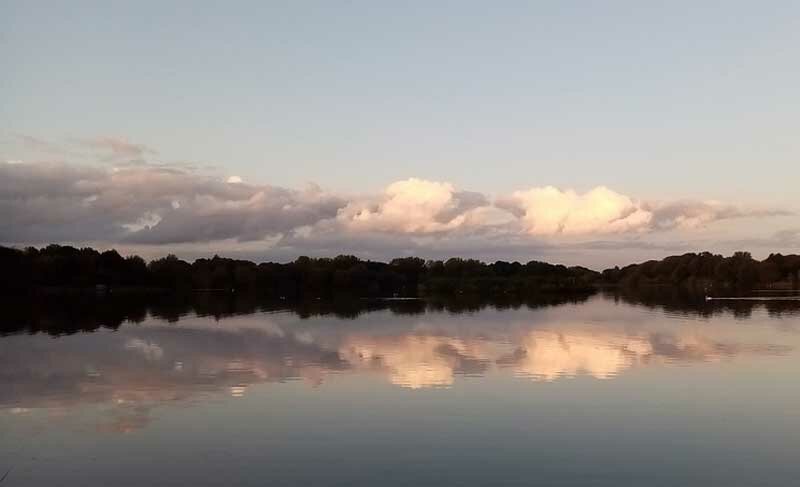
[57, 267]
[64, 267]
[706, 272]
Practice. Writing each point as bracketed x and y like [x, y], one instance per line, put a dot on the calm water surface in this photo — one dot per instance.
[595, 391]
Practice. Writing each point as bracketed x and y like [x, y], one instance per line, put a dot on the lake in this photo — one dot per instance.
[584, 390]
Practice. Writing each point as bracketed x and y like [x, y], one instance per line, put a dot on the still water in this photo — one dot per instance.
[597, 390]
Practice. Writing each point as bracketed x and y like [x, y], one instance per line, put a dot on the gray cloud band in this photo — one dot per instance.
[54, 202]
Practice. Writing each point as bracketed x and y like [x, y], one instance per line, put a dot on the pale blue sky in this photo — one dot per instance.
[651, 99]
[656, 100]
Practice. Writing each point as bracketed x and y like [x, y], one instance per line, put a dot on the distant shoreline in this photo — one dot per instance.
[65, 269]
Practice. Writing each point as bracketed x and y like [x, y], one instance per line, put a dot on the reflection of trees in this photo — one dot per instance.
[68, 314]
[59, 315]
[680, 301]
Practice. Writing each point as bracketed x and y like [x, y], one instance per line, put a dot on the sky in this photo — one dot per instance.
[594, 133]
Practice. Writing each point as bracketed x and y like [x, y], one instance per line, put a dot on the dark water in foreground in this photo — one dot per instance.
[589, 391]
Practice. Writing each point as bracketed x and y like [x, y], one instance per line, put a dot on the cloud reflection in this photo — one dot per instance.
[417, 361]
[141, 367]
[549, 355]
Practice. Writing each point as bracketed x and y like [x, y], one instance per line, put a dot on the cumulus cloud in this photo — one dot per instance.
[551, 212]
[415, 206]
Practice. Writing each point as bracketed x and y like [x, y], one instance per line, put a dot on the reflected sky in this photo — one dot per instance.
[140, 366]
[152, 375]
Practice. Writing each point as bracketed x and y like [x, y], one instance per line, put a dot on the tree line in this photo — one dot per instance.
[707, 272]
[66, 267]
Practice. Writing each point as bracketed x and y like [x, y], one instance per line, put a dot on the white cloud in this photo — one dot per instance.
[552, 212]
[549, 211]
[415, 206]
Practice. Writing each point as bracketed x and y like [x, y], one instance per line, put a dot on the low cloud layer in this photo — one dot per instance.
[116, 148]
[59, 202]
[549, 211]
[144, 204]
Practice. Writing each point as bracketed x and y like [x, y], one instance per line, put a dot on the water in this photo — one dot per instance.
[578, 391]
